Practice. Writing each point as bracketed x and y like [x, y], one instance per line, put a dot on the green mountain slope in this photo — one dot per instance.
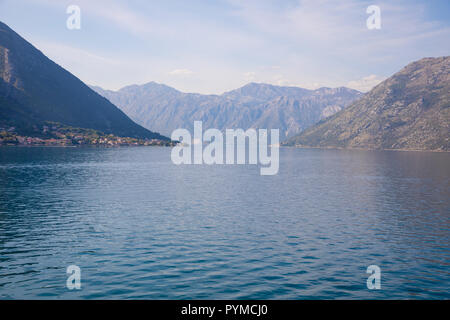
[410, 110]
[34, 89]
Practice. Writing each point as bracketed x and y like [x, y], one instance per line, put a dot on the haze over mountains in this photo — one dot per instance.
[290, 109]
[410, 110]
[34, 90]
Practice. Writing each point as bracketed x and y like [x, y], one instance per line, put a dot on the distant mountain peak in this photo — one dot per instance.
[290, 109]
[410, 110]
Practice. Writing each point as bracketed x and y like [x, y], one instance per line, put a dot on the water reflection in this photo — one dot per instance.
[141, 227]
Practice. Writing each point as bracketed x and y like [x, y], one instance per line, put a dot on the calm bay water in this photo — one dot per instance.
[140, 227]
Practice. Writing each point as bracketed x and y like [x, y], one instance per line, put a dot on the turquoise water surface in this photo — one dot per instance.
[141, 227]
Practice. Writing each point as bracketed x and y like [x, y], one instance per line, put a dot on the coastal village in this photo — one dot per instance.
[55, 134]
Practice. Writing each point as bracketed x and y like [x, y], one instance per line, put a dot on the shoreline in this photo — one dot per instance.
[80, 146]
[166, 145]
[365, 149]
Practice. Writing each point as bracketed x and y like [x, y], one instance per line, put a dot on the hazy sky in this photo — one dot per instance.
[215, 46]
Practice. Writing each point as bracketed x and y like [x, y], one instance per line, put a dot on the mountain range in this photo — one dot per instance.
[35, 90]
[255, 105]
[410, 110]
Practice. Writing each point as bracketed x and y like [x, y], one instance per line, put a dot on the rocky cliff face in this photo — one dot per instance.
[35, 90]
[410, 110]
[256, 105]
